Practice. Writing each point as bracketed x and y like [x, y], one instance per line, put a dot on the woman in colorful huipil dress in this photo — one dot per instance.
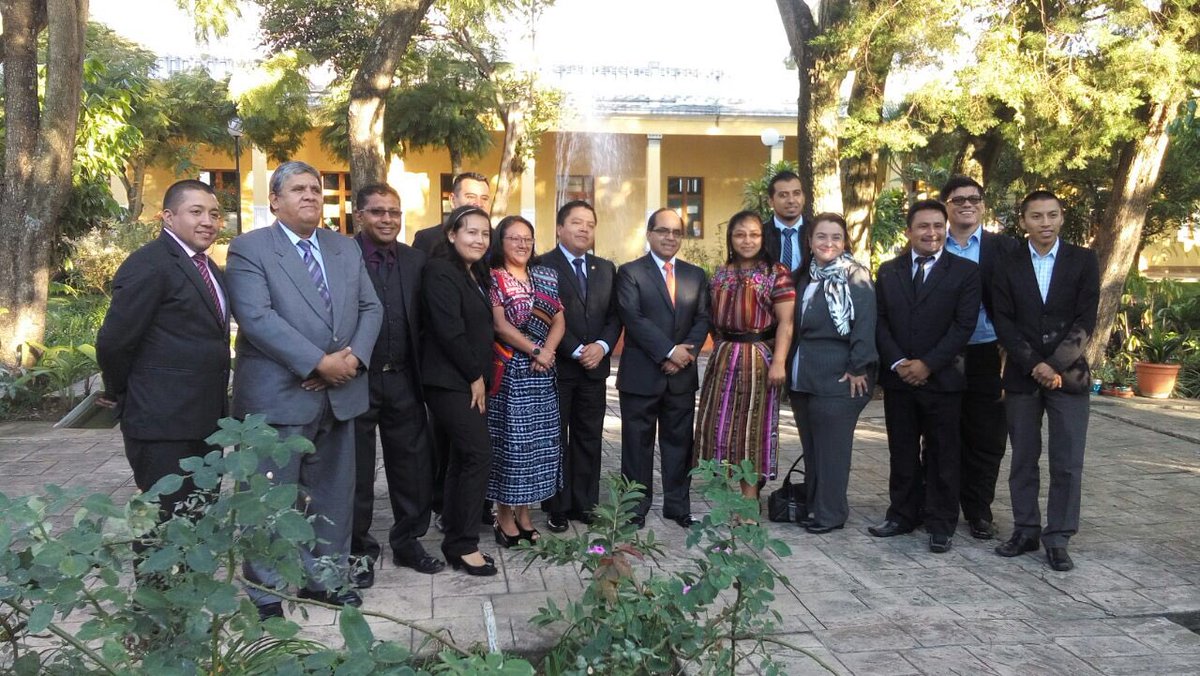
[523, 409]
[739, 400]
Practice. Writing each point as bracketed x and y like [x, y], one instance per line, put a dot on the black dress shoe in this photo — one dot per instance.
[638, 520]
[363, 578]
[817, 529]
[582, 517]
[982, 529]
[488, 568]
[504, 539]
[1059, 558]
[269, 610]
[889, 529]
[1017, 545]
[685, 520]
[348, 597]
[557, 522]
[805, 521]
[939, 544]
[422, 564]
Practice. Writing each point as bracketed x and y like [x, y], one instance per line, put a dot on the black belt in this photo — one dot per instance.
[743, 337]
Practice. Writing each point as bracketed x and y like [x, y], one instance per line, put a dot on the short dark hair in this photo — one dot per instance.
[443, 249]
[467, 176]
[737, 219]
[174, 194]
[654, 216]
[958, 181]
[785, 175]
[565, 210]
[1037, 196]
[365, 192]
[496, 250]
[924, 205]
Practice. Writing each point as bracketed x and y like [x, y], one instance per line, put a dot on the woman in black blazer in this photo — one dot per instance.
[831, 367]
[457, 354]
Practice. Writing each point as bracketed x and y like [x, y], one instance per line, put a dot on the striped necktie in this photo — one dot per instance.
[314, 272]
[201, 262]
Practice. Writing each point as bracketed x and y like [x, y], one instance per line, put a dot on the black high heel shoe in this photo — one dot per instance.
[488, 568]
[504, 539]
[531, 536]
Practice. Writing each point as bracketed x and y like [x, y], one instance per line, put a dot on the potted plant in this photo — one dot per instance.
[1116, 374]
[1158, 352]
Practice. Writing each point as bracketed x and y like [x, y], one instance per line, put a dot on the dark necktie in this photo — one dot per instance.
[919, 278]
[789, 246]
[580, 277]
[201, 262]
[314, 272]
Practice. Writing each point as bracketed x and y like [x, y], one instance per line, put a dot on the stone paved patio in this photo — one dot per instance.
[864, 605]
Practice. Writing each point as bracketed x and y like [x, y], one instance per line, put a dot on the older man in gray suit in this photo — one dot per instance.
[308, 317]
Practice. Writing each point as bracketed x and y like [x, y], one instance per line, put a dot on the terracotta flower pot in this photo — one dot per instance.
[1156, 380]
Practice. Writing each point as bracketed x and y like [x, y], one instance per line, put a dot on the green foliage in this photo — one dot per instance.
[887, 230]
[634, 619]
[180, 113]
[273, 102]
[73, 318]
[56, 369]
[186, 615]
[754, 195]
[333, 31]
[1177, 200]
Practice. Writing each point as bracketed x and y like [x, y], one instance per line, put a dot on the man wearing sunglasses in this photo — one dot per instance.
[983, 425]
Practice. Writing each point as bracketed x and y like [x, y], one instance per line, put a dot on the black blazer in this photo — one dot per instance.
[653, 326]
[164, 346]
[410, 263]
[992, 248]
[933, 326]
[825, 355]
[1057, 331]
[773, 241]
[457, 343]
[587, 322]
[426, 238]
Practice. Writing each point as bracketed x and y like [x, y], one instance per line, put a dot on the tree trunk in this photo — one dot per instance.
[1120, 232]
[40, 144]
[862, 179]
[372, 82]
[978, 155]
[456, 158]
[800, 27]
[511, 162]
[134, 180]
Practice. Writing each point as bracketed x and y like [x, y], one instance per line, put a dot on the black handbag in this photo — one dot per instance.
[787, 503]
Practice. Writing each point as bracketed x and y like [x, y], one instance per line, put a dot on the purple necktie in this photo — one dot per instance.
[314, 272]
[201, 262]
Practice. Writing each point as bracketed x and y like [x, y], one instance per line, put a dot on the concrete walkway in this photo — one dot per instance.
[864, 605]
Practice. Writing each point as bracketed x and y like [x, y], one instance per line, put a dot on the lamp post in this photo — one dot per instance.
[771, 138]
[235, 130]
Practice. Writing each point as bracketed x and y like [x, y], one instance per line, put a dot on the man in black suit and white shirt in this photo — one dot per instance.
[663, 303]
[928, 304]
[468, 188]
[586, 287]
[784, 235]
[164, 346]
[397, 405]
[983, 431]
[1046, 299]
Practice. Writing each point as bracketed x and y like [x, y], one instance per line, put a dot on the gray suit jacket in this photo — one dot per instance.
[824, 354]
[284, 328]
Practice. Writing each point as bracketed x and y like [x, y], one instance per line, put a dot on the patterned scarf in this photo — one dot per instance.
[837, 289]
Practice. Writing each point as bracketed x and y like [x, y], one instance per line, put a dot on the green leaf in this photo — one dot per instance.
[355, 630]
[40, 618]
[166, 485]
[28, 664]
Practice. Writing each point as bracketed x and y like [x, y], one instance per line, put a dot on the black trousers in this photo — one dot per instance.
[671, 418]
[581, 405]
[826, 426]
[913, 418]
[152, 459]
[983, 431]
[398, 412]
[468, 466]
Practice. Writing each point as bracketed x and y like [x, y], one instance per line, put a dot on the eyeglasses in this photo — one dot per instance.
[379, 212]
[668, 233]
[969, 199]
[520, 241]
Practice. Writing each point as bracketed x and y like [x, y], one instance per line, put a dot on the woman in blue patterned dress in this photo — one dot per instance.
[523, 409]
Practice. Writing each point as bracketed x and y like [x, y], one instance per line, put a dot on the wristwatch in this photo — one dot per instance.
[536, 350]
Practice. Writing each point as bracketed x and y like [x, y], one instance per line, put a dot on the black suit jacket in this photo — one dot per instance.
[410, 263]
[426, 238]
[587, 322]
[653, 326]
[933, 325]
[457, 343]
[992, 248]
[1056, 331]
[772, 240]
[164, 346]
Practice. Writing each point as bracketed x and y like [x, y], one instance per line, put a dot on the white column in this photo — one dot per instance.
[259, 191]
[777, 152]
[529, 193]
[654, 180]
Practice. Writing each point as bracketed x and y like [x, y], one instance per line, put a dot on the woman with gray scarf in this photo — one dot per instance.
[831, 366]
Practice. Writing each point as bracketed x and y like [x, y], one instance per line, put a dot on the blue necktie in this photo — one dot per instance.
[582, 278]
[314, 272]
[789, 248]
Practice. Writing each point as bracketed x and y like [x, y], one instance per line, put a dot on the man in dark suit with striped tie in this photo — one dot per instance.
[164, 346]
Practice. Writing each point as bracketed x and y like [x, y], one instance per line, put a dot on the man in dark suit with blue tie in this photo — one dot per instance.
[164, 346]
[397, 408]
[663, 303]
[783, 234]
[586, 286]
[928, 303]
[1046, 298]
[308, 317]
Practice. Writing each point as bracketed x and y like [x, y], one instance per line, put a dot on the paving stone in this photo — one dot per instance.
[885, 636]
[1030, 659]
[948, 661]
[879, 663]
[1124, 602]
[1181, 598]
[941, 633]
[1139, 665]
[1164, 636]
[1103, 646]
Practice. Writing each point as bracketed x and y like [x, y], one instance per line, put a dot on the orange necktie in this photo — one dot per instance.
[670, 271]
